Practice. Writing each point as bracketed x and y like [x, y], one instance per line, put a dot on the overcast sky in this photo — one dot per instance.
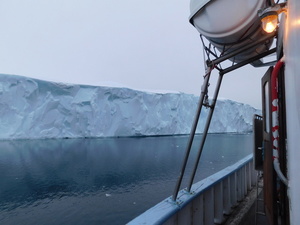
[146, 45]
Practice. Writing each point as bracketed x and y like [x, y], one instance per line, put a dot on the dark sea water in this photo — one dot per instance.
[100, 181]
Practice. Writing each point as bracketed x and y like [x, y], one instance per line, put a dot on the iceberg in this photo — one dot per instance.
[32, 109]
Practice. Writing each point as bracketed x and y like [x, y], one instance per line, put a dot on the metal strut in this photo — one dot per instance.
[208, 120]
[211, 106]
[203, 101]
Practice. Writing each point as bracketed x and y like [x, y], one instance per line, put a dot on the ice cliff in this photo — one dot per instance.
[31, 108]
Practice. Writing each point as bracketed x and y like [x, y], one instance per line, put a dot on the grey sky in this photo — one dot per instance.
[142, 44]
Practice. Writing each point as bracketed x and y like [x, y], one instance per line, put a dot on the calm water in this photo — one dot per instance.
[100, 181]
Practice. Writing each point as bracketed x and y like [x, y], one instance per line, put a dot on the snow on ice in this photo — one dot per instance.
[32, 108]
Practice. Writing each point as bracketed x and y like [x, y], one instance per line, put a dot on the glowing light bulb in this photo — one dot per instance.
[270, 27]
[269, 23]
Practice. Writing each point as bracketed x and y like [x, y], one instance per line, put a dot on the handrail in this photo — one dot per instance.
[208, 200]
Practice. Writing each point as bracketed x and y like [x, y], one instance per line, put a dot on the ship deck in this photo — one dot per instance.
[250, 211]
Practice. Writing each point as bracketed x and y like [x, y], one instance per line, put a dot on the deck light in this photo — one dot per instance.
[270, 22]
[269, 17]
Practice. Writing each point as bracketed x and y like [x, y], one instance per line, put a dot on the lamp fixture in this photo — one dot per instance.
[270, 22]
[269, 16]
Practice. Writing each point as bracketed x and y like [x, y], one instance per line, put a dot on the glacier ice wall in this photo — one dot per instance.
[31, 108]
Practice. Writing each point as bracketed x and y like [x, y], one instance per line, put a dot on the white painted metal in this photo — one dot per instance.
[173, 220]
[239, 186]
[244, 180]
[185, 217]
[209, 206]
[226, 197]
[248, 176]
[218, 203]
[208, 201]
[196, 5]
[230, 25]
[292, 82]
[198, 209]
[233, 189]
[243, 190]
[253, 175]
[225, 21]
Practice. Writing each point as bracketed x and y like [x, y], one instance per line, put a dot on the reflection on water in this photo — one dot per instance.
[100, 181]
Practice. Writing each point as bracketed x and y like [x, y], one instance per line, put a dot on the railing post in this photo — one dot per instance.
[227, 196]
[198, 209]
[209, 206]
[248, 176]
[253, 174]
[245, 179]
[244, 186]
[218, 203]
[233, 188]
[185, 215]
[239, 185]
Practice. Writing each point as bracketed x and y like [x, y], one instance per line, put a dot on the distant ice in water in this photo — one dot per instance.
[32, 108]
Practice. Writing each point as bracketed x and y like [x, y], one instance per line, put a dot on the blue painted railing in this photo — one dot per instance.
[209, 200]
